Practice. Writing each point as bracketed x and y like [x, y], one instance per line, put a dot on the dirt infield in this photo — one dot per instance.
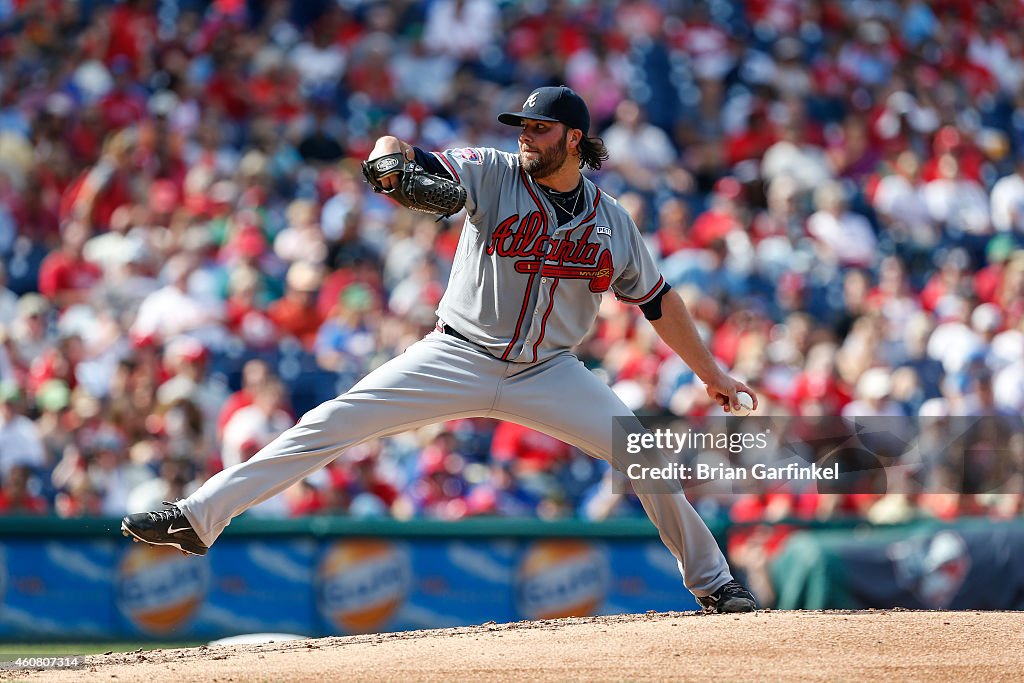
[683, 646]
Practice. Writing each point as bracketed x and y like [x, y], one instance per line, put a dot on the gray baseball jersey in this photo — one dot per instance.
[524, 287]
[523, 291]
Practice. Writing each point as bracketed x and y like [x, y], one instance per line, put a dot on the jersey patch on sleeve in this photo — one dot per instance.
[470, 154]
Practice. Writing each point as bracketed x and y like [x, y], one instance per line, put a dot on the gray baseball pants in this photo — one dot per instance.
[442, 378]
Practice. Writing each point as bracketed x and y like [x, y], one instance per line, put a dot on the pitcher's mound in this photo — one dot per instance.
[884, 645]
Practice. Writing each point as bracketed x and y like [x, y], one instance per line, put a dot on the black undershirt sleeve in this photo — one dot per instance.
[652, 309]
[431, 164]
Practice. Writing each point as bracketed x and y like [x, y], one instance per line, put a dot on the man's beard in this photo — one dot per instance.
[548, 161]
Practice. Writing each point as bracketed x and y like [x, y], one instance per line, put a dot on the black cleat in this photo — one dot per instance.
[730, 598]
[164, 527]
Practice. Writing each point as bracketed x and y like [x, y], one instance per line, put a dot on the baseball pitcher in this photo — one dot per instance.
[540, 247]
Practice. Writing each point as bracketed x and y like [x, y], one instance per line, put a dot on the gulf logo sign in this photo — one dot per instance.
[159, 589]
[559, 578]
[362, 583]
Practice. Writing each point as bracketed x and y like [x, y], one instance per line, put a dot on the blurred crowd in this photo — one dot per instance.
[190, 259]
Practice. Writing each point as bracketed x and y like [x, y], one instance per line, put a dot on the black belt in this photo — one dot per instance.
[451, 331]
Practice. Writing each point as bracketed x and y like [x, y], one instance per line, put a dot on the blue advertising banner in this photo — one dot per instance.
[96, 589]
[51, 589]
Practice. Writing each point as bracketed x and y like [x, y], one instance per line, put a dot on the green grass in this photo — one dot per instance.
[35, 649]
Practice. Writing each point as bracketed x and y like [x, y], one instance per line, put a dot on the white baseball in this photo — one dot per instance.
[746, 404]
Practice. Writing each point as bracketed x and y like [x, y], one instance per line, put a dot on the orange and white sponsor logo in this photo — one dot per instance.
[361, 584]
[158, 589]
[559, 578]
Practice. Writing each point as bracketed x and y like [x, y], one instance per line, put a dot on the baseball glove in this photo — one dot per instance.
[416, 189]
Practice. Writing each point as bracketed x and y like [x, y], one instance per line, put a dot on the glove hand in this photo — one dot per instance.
[384, 172]
[412, 187]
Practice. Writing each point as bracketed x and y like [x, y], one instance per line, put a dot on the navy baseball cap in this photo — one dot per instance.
[557, 104]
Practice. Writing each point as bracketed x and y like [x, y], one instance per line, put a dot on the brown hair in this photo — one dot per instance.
[592, 152]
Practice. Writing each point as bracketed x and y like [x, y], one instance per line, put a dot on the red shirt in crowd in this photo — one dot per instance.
[116, 193]
[713, 224]
[816, 387]
[296, 320]
[59, 273]
[23, 504]
[132, 30]
[528, 449]
[122, 108]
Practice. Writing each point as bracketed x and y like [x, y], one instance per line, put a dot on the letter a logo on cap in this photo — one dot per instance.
[531, 101]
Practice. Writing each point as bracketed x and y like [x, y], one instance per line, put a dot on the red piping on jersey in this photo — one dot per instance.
[661, 281]
[540, 207]
[554, 286]
[451, 167]
[529, 283]
[592, 214]
[522, 313]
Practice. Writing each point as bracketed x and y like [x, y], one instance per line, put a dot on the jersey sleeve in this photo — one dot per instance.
[478, 169]
[640, 280]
